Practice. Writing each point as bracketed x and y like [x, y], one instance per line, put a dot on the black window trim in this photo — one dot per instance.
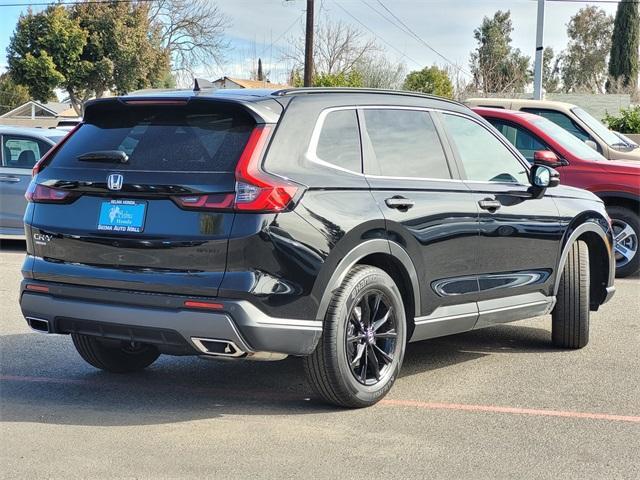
[514, 151]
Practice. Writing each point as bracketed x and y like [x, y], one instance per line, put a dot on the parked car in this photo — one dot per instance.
[332, 224]
[574, 119]
[21, 149]
[617, 183]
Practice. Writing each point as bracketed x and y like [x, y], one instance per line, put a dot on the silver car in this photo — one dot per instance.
[21, 148]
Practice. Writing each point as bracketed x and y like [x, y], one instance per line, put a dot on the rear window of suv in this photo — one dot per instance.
[199, 136]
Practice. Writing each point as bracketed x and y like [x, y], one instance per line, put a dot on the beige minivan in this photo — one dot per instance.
[571, 118]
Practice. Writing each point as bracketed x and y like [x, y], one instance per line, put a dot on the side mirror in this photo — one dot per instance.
[546, 157]
[541, 178]
[592, 144]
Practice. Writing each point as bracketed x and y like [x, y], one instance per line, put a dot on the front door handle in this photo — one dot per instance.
[399, 203]
[9, 179]
[490, 204]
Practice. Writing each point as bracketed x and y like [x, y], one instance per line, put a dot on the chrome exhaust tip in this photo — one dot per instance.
[39, 324]
[218, 348]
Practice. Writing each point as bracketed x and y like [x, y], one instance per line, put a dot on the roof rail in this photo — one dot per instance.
[316, 90]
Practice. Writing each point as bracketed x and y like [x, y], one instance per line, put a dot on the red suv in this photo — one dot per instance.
[617, 183]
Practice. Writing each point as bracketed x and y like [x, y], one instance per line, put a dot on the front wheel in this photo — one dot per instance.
[570, 317]
[626, 231]
[360, 353]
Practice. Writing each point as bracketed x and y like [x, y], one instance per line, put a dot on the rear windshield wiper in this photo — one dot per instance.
[114, 156]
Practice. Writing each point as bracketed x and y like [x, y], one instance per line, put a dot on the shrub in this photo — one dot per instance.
[627, 122]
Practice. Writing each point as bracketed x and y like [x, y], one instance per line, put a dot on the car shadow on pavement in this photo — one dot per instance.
[43, 380]
[13, 245]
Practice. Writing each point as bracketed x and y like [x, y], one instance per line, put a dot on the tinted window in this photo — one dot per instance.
[483, 156]
[406, 144]
[339, 141]
[22, 152]
[196, 137]
[566, 140]
[526, 143]
[562, 120]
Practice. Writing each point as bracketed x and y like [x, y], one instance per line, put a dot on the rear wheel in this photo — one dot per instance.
[116, 358]
[570, 317]
[626, 231]
[362, 346]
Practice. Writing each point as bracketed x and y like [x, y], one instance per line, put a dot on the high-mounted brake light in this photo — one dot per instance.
[257, 191]
[40, 164]
[37, 193]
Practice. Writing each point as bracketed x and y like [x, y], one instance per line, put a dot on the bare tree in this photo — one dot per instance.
[338, 49]
[378, 71]
[192, 31]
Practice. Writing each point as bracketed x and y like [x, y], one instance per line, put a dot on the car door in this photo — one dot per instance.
[19, 155]
[519, 235]
[429, 212]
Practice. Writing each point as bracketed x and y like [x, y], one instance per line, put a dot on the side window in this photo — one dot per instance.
[406, 144]
[22, 152]
[561, 120]
[519, 137]
[339, 141]
[483, 156]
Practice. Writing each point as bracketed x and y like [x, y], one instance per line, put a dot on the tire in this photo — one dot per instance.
[570, 317]
[115, 359]
[626, 228]
[349, 338]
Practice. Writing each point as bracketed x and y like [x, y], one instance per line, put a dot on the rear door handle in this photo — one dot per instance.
[10, 179]
[399, 203]
[489, 204]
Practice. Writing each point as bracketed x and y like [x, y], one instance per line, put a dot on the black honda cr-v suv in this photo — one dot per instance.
[332, 224]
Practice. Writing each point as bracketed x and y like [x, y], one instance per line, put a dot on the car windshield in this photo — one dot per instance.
[598, 128]
[567, 140]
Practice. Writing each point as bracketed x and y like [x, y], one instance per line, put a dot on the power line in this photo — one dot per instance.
[282, 34]
[404, 55]
[410, 32]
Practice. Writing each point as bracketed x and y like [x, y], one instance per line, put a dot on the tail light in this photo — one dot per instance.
[256, 191]
[37, 193]
[46, 158]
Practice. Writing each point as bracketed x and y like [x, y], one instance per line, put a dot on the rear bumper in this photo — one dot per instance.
[163, 320]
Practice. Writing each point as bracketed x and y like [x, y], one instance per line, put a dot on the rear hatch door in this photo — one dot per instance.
[150, 187]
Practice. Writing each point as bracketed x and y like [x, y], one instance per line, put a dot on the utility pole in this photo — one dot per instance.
[308, 46]
[537, 72]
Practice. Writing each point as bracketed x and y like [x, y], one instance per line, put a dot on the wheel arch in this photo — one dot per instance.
[601, 263]
[620, 199]
[388, 256]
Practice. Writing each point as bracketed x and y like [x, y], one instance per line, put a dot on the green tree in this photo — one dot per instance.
[550, 71]
[496, 66]
[86, 50]
[625, 42]
[584, 63]
[342, 79]
[431, 80]
[12, 95]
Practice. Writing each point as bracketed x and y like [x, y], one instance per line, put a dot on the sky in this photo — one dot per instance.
[265, 28]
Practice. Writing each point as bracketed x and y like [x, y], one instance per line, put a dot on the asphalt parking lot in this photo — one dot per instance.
[496, 403]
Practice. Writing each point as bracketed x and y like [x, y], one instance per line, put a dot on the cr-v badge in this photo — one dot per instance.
[41, 238]
[114, 181]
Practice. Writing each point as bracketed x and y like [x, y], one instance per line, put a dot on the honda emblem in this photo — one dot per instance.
[114, 181]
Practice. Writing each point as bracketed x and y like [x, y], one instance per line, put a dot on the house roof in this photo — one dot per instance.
[55, 109]
[253, 83]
